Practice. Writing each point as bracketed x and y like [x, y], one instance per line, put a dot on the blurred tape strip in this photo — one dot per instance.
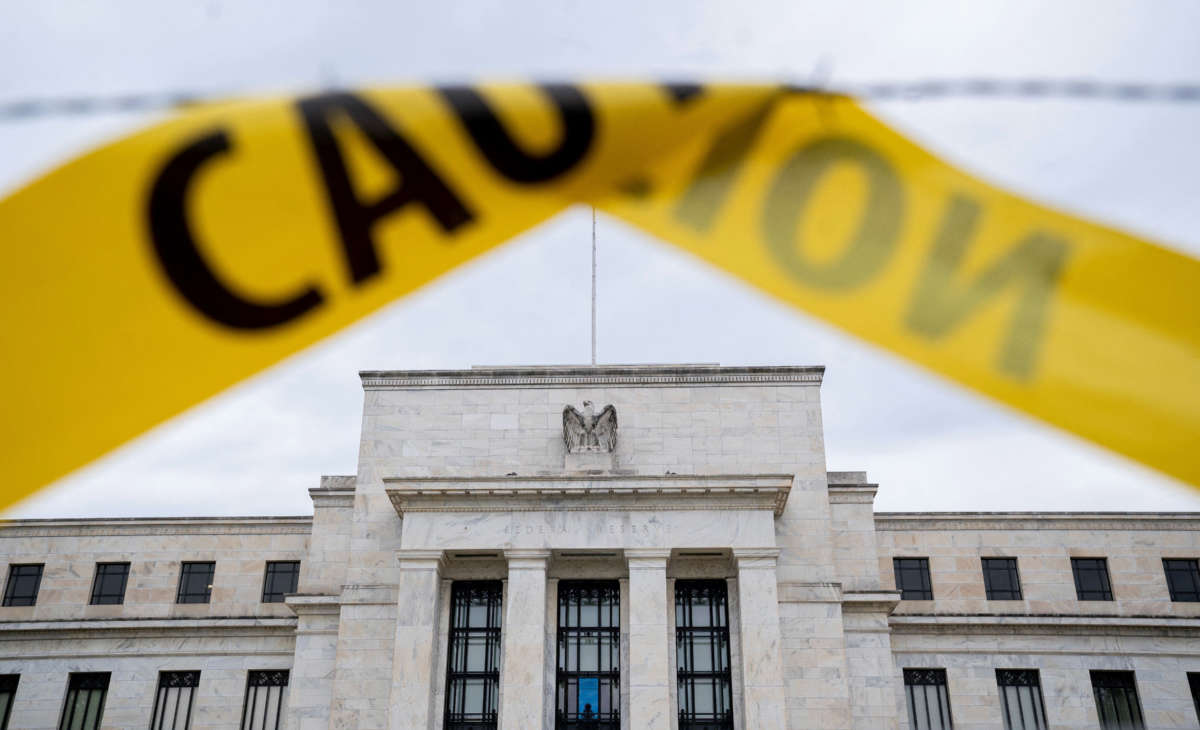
[157, 271]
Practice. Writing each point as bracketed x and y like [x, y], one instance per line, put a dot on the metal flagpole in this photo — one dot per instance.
[593, 285]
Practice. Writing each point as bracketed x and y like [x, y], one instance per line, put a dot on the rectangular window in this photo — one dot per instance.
[912, 579]
[1193, 681]
[196, 582]
[928, 700]
[1183, 579]
[173, 703]
[1000, 579]
[473, 665]
[8, 692]
[85, 701]
[108, 588]
[1117, 701]
[1021, 699]
[23, 583]
[1091, 579]
[702, 655]
[265, 694]
[282, 577]
[588, 682]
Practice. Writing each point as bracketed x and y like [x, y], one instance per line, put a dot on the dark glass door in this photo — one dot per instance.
[588, 687]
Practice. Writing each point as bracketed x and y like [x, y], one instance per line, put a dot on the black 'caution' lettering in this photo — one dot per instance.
[579, 128]
[180, 257]
[356, 218]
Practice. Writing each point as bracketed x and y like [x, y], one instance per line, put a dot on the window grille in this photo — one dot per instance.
[1000, 579]
[1183, 579]
[702, 655]
[588, 683]
[1021, 699]
[1117, 701]
[282, 578]
[108, 588]
[912, 579]
[1091, 579]
[8, 692]
[473, 665]
[195, 582]
[22, 586]
[173, 703]
[928, 700]
[85, 701]
[264, 705]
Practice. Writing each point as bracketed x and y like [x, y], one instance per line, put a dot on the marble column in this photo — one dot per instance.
[523, 690]
[763, 694]
[650, 673]
[416, 662]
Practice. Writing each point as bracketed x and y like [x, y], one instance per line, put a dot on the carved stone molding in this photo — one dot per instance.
[586, 493]
[1089, 521]
[571, 377]
[151, 526]
[1047, 625]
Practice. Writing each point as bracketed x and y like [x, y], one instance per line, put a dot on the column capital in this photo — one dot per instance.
[527, 559]
[756, 557]
[410, 559]
[647, 557]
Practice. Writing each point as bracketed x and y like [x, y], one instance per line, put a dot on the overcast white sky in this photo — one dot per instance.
[930, 444]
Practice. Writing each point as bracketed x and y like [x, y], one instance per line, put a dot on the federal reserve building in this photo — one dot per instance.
[601, 548]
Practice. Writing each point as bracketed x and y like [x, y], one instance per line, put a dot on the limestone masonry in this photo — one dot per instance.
[682, 560]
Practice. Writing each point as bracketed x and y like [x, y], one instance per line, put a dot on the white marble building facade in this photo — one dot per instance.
[467, 507]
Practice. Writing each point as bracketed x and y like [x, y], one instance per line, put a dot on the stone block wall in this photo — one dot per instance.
[135, 660]
[1043, 544]
[1049, 629]
[155, 550]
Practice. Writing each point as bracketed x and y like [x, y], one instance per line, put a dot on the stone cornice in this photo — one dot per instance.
[591, 376]
[870, 601]
[852, 493]
[311, 604]
[1020, 624]
[1091, 521]
[586, 493]
[88, 628]
[327, 497]
[132, 526]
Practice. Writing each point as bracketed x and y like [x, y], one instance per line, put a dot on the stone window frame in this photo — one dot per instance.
[1004, 566]
[1100, 568]
[1194, 685]
[1026, 689]
[18, 572]
[1120, 686]
[928, 677]
[925, 590]
[173, 688]
[8, 693]
[271, 571]
[186, 570]
[102, 597]
[261, 684]
[86, 687]
[1188, 567]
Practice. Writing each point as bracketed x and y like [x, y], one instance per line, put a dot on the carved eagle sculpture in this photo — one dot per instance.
[590, 432]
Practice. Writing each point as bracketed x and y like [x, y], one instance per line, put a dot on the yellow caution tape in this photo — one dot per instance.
[156, 271]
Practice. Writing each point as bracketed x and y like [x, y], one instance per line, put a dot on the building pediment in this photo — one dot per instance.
[589, 493]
